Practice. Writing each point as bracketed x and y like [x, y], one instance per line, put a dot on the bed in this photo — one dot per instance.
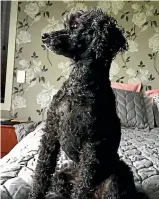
[139, 148]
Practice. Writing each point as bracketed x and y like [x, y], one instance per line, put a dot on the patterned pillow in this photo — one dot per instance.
[131, 109]
[149, 112]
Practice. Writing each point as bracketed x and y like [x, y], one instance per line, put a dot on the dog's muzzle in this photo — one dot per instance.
[52, 42]
[45, 36]
[46, 39]
[55, 40]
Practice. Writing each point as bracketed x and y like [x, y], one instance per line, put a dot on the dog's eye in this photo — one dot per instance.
[74, 26]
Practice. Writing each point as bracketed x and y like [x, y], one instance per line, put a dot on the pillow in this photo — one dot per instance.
[156, 115]
[128, 87]
[149, 112]
[23, 129]
[156, 109]
[154, 99]
[131, 108]
[152, 93]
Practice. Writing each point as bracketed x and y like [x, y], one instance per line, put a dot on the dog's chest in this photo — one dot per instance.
[64, 163]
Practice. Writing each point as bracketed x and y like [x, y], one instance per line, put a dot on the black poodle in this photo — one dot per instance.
[78, 155]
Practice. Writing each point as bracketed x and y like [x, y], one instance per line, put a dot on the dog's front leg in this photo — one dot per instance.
[45, 167]
[59, 188]
[83, 187]
[47, 158]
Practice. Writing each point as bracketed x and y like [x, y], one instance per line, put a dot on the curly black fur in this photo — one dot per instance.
[82, 119]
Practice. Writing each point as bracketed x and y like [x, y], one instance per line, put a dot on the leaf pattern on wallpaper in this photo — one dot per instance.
[154, 44]
[111, 6]
[44, 97]
[74, 6]
[45, 71]
[65, 69]
[114, 70]
[33, 69]
[142, 17]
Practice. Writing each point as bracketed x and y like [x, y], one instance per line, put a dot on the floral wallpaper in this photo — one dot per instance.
[45, 71]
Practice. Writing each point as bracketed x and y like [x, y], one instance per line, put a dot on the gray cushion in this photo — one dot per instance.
[149, 111]
[156, 100]
[24, 129]
[156, 114]
[156, 109]
[131, 109]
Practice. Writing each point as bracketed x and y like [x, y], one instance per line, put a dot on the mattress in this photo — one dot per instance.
[138, 148]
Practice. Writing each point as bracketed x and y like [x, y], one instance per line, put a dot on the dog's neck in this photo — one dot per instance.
[91, 70]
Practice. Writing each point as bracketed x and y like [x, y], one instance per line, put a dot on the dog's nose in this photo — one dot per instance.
[45, 36]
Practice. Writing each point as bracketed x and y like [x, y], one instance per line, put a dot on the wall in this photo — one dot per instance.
[46, 71]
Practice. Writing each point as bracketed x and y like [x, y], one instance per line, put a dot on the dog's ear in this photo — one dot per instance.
[118, 42]
[108, 38]
[100, 39]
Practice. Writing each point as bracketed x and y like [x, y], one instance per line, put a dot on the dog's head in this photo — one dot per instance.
[91, 33]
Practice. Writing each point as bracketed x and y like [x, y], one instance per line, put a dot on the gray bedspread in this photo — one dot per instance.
[139, 148]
